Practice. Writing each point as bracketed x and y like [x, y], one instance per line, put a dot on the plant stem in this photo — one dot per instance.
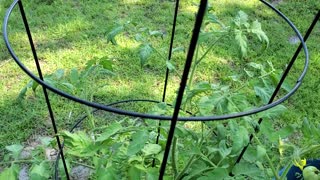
[285, 172]
[18, 161]
[173, 157]
[179, 176]
[275, 173]
[189, 163]
[189, 85]
[82, 164]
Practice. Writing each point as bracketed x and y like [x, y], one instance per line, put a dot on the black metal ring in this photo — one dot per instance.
[156, 117]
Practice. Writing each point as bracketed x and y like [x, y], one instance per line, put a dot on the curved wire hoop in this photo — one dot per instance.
[175, 117]
[160, 117]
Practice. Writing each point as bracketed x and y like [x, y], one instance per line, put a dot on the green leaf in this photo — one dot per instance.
[15, 149]
[170, 66]
[134, 173]
[218, 173]
[248, 169]
[263, 93]
[156, 33]
[241, 19]
[205, 37]
[152, 174]
[261, 152]
[240, 138]
[150, 149]
[145, 52]
[113, 33]
[214, 19]
[10, 173]
[249, 73]
[274, 112]
[74, 76]
[40, 172]
[59, 74]
[110, 130]
[267, 129]
[256, 65]
[139, 139]
[80, 144]
[221, 130]
[178, 49]
[107, 173]
[256, 29]
[106, 63]
[205, 106]
[310, 130]
[24, 90]
[223, 150]
[241, 40]
[68, 86]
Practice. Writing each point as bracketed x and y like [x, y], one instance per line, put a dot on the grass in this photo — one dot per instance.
[69, 33]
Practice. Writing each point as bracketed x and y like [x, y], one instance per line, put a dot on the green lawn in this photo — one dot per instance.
[69, 33]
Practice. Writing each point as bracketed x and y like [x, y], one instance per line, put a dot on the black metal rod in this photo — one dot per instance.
[284, 75]
[167, 71]
[36, 60]
[183, 83]
[170, 48]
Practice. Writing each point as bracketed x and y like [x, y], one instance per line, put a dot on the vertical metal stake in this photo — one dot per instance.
[183, 83]
[44, 89]
[167, 71]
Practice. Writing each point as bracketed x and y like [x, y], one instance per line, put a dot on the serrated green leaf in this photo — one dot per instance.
[145, 52]
[256, 29]
[15, 149]
[150, 149]
[139, 140]
[205, 36]
[223, 150]
[247, 169]
[241, 40]
[113, 33]
[267, 129]
[109, 173]
[240, 138]
[109, 131]
[10, 173]
[134, 173]
[79, 144]
[40, 172]
[263, 93]
[205, 106]
[274, 112]
[152, 174]
[214, 19]
[218, 173]
[241, 19]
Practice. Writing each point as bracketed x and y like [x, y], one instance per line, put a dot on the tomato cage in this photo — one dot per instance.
[175, 117]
